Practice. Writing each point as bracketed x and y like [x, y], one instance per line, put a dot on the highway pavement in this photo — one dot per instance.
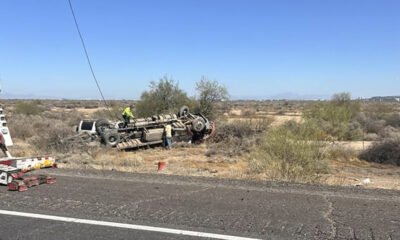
[112, 205]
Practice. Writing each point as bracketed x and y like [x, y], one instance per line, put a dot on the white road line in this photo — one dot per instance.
[124, 225]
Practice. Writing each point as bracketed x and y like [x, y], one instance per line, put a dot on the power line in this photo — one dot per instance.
[87, 57]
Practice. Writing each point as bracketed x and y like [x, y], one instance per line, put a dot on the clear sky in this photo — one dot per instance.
[256, 48]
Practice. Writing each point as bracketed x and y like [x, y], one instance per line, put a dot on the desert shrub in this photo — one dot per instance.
[339, 152]
[238, 129]
[52, 136]
[361, 118]
[51, 115]
[371, 137]
[280, 112]
[390, 132]
[28, 108]
[334, 117]
[374, 125]
[232, 139]
[21, 125]
[393, 119]
[385, 152]
[314, 130]
[261, 125]
[44, 134]
[378, 110]
[355, 131]
[249, 113]
[379, 121]
[71, 117]
[289, 155]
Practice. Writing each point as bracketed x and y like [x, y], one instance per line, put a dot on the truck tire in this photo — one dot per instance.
[111, 138]
[183, 111]
[198, 125]
[101, 125]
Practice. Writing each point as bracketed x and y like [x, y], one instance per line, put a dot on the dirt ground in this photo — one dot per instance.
[192, 161]
[86, 111]
[362, 173]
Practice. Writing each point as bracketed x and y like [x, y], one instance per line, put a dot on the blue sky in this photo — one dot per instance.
[256, 48]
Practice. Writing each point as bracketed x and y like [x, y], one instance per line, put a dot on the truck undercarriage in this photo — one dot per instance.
[149, 131]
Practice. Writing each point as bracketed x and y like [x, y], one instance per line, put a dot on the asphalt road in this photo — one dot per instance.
[260, 210]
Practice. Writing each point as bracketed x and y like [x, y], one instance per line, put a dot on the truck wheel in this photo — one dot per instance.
[101, 125]
[111, 138]
[198, 124]
[183, 111]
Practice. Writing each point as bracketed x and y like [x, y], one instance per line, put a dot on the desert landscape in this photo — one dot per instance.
[337, 153]
[230, 120]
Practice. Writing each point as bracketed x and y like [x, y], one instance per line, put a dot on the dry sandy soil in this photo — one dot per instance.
[86, 111]
[192, 161]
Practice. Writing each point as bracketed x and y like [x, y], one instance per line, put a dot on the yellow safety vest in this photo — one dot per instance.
[168, 131]
[128, 112]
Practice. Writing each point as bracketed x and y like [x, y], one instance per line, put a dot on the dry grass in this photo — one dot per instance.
[179, 161]
[351, 173]
[282, 119]
[340, 152]
[22, 148]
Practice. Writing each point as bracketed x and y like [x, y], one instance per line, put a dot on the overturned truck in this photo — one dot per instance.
[142, 132]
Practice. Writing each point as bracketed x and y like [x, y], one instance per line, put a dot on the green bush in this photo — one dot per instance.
[210, 92]
[164, 96]
[28, 108]
[290, 153]
[314, 130]
[334, 117]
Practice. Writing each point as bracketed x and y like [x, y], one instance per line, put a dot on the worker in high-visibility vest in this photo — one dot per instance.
[168, 136]
[127, 115]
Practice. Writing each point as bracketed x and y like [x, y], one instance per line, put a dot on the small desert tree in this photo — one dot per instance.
[164, 96]
[209, 93]
[342, 98]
